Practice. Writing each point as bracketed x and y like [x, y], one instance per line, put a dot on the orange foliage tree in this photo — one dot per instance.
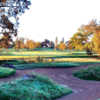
[77, 42]
[30, 44]
[93, 28]
[89, 37]
[62, 46]
[19, 44]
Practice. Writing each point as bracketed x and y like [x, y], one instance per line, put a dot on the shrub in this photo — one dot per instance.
[32, 88]
[90, 73]
[5, 72]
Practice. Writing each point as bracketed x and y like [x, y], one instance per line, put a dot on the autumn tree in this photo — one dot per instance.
[19, 44]
[30, 44]
[62, 46]
[56, 43]
[93, 29]
[37, 44]
[10, 10]
[77, 41]
[96, 42]
[87, 38]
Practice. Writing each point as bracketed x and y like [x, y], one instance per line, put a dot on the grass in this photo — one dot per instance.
[45, 52]
[35, 87]
[13, 62]
[85, 60]
[20, 64]
[48, 57]
[56, 55]
[46, 65]
[90, 73]
[55, 58]
[5, 72]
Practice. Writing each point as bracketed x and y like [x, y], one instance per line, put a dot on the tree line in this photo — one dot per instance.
[87, 38]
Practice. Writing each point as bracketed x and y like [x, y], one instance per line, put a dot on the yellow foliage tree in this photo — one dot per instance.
[19, 44]
[62, 46]
[96, 42]
[37, 44]
[77, 41]
[87, 38]
[94, 29]
[30, 44]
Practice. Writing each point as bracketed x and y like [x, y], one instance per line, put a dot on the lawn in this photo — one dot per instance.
[40, 58]
[41, 52]
[32, 87]
[56, 55]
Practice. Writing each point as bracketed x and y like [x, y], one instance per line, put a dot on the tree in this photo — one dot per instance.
[30, 44]
[19, 44]
[89, 48]
[87, 38]
[62, 46]
[56, 43]
[37, 44]
[96, 42]
[10, 10]
[93, 29]
[77, 41]
[47, 44]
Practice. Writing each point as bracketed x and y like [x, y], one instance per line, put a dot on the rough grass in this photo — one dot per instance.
[35, 87]
[5, 72]
[90, 73]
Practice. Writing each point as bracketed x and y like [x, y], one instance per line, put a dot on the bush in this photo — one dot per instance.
[90, 73]
[32, 88]
[5, 72]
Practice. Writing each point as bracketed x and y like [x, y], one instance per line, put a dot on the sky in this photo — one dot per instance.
[48, 19]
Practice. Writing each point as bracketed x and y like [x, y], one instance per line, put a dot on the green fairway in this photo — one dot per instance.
[42, 52]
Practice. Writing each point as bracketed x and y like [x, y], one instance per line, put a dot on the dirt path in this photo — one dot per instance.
[83, 90]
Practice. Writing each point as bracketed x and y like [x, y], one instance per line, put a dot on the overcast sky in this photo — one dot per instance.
[61, 18]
